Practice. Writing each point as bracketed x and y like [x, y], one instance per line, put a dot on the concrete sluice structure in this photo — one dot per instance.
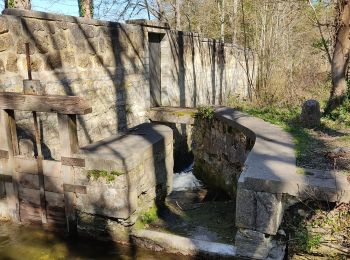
[123, 76]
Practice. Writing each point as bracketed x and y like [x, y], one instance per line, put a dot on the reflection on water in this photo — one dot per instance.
[23, 242]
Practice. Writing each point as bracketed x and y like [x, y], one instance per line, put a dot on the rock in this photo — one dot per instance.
[311, 113]
[6, 41]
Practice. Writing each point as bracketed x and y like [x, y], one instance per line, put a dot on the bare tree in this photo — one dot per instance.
[86, 8]
[340, 58]
[221, 5]
[21, 4]
[177, 15]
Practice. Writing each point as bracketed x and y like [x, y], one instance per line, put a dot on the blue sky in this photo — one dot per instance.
[67, 7]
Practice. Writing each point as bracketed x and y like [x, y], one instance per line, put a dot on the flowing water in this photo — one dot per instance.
[29, 243]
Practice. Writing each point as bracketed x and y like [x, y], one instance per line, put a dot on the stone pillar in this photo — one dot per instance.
[258, 217]
[20, 4]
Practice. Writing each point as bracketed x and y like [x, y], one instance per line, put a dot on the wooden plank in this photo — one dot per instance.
[54, 199]
[70, 161]
[39, 160]
[4, 154]
[12, 131]
[10, 143]
[48, 103]
[67, 129]
[31, 181]
[75, 188]
[29, 165]
[5, 178]
[31, 196]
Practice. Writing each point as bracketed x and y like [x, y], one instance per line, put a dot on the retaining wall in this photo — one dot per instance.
[107, 64]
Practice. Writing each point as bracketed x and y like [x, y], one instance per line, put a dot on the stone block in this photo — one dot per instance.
[11, 64]
[252, 244]
[246, 209]
[4, 28]
[6, 41]
[260, 211]
[54, 60]
[311, 113]
[42, 43]
[269, 212]
[21, 48]
[59, 41]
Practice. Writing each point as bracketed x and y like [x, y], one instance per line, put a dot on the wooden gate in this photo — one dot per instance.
[41, 191]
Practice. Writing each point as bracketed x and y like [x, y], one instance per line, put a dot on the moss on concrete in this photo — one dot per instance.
[109, 176]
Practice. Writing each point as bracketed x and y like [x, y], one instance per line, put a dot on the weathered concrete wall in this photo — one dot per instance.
[200, 71]
[107, 64]
[220, 151]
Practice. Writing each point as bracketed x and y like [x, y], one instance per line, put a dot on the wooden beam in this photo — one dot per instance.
[77, 162]
[67, 129]
[50, 103]
[5, 178]
[74, 188]
[29, 166]
[10, 142]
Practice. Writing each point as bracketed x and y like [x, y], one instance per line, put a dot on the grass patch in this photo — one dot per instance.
[147, 217]
[205, 112]
[109, 176]
[307, 141]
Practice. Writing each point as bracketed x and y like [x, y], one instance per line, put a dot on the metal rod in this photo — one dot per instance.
[28, 62]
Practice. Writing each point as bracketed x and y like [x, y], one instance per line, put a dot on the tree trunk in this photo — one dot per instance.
[161, 13]
[21, 4]
[222, 21]
[86, 8]
[177, 15]
[234, 21]
[340, 60]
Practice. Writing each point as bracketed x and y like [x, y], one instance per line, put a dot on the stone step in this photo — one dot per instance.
[159, 241]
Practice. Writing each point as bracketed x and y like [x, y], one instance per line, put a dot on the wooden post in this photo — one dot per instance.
[40, 158]
[9, 142]
[67, 128]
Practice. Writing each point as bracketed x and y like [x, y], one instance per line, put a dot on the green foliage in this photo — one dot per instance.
[10, 3]
[206, 113]
[147, 217]
[306, 241]
[340, 115]
[109, 176]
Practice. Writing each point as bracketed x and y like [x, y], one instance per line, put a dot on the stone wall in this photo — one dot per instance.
[107, 64]
[220, 151]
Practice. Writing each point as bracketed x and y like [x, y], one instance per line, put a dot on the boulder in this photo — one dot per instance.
[311, 113]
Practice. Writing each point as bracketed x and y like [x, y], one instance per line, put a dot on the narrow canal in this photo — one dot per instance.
[29, 243]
